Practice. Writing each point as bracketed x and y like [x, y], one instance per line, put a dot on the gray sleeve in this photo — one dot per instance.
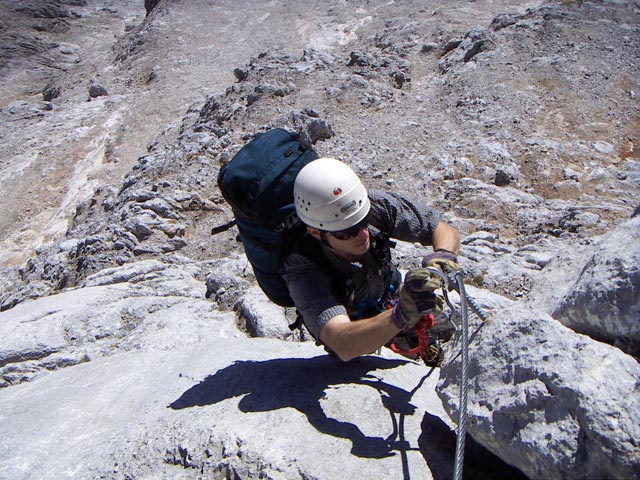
[403, 218]
[310, 290]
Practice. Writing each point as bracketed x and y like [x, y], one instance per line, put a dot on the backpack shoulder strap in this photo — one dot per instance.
[223, 228]
[381, 245]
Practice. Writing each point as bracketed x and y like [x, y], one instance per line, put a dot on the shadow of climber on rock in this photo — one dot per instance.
[301, 383]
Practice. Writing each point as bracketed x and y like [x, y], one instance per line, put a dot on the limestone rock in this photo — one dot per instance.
[263, 317]
[201, 409]
[604, 302]
[549, 401]
[96, 91]
[474, 43]
[120, 309]
[227, 281]
[134, 374]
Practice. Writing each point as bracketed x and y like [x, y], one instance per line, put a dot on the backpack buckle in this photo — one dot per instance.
[288, 223]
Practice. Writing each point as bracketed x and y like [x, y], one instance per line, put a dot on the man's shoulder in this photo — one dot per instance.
[300, 260]
[378, 195]
[393, 200]
[386, 196]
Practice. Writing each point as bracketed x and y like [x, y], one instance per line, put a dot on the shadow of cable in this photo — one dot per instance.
[301, 383]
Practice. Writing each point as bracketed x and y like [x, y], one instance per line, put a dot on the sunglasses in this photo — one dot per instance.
[351, 232]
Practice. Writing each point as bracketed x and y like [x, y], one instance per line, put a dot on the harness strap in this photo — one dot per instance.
[223, 228]
[297, 323]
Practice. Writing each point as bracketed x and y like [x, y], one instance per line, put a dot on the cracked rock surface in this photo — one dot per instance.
[134, 344]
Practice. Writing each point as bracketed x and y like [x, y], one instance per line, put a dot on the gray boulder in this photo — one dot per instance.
[552, 402]
[227, 280]
[473, 43]
[96, 91]
[262, 317]
[605, 300]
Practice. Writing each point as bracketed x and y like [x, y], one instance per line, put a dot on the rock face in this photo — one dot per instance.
[553, 402]
[550, 401]
[247, 408]
[150, 300]
[605, 300]
[164, 385]
[129, 334]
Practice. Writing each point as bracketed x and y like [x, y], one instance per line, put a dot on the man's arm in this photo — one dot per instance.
[446, 237]
[350, 339]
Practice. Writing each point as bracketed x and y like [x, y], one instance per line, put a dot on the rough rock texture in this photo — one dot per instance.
[548, 400]
[518, 119]
[219, 409]
[133, 307]
[168, 386]
[605, 300]
[263, 318]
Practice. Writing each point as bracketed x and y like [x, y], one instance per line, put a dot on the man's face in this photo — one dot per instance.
[357, 245]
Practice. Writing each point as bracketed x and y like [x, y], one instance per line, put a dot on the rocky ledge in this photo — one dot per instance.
[139, 346]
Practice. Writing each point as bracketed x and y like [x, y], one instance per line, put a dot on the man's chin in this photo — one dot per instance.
[364, 248]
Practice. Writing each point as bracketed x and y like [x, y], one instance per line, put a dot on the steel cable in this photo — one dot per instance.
[455, 280]
[464, 388]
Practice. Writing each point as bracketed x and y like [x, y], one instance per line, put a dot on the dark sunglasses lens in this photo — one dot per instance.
[349, 233]
[345, 234]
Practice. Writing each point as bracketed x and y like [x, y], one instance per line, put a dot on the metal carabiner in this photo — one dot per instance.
[453, 281]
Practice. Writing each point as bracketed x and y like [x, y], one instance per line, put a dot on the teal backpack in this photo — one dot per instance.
[258, 184]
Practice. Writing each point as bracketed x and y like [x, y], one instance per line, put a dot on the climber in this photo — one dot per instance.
[353, 228]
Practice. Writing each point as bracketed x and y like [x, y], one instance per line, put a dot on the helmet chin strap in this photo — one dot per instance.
[324, 240]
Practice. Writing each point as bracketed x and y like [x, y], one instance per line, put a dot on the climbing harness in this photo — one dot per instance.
[453, 280]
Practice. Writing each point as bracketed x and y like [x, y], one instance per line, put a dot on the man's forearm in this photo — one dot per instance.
[447, 238]
[351, 339]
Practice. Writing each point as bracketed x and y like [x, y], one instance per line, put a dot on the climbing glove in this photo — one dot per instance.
[416, 298]
[444, 261]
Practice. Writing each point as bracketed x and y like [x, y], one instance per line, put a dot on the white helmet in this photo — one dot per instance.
[329, 195]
